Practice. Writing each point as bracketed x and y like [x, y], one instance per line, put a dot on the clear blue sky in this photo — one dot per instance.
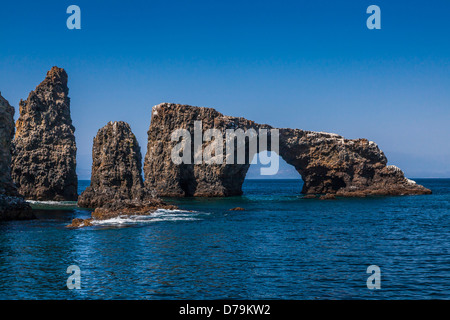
[312, 65]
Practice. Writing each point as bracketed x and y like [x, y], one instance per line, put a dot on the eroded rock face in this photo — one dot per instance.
[12, 206]
[116, 169]
[6, 135]
[200, 180]
[117, 187]
[44, 149]
[328, 163]
[331, 164]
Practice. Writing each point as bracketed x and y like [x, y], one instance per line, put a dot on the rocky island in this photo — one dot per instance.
[117, 187]
[40, 162]
[327, 162]
[44, 149]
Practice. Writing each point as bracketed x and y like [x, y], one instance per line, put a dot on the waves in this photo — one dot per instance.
[159, 215]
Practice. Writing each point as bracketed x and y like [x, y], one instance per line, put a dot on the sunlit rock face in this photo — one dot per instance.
[116, 168]
[44, 149]
[327, 162]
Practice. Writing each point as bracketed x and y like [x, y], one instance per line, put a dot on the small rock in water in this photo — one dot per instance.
[328, 196]
[78, 223]
[237, 209]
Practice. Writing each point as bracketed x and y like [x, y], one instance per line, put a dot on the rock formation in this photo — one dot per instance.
[12, 206]
[116, 168]
[44, 150]
[117, 187]
[328, 163]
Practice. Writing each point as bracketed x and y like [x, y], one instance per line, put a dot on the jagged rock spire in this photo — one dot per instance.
[44, 149]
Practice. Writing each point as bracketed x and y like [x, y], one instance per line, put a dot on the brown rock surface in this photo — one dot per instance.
[237, 209]
[130, 207]
[327, 162]
[117, 188]
[12, 206]
[327, 196]
[44, 150]
[171, 180]
[116, 168]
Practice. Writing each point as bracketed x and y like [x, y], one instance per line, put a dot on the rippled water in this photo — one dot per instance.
[281, 247]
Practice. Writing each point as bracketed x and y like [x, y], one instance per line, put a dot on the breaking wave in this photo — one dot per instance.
[52, 204]
[157, 216]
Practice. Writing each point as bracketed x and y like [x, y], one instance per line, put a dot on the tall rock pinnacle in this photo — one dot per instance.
[116, 168]
[117, 187]
[44, 149]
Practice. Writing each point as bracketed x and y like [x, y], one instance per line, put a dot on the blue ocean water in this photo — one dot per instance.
[281, 247]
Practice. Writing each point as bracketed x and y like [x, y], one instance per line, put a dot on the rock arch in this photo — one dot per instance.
[328, 163]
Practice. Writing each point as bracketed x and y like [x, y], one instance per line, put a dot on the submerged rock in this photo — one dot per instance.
[44, 149]
[237, 209]
[117, 187]
[12, 205]
[328, 196]
[327, 162]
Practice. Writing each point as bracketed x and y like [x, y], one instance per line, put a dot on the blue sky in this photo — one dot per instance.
[312, 65]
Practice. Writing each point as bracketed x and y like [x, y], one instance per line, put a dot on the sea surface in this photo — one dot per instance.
[281, 247]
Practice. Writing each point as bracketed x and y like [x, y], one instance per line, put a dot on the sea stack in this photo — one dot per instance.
[44, 149]
[116, 168]
[117, 187]
[328, 163]
[12, 206]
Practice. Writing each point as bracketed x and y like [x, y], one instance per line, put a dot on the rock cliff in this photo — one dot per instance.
[44, 149]
[328, 163]
[12, 206]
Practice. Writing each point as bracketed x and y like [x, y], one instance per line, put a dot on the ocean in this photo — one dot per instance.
[281, 247]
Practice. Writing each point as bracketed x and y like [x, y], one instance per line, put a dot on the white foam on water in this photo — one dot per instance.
[53, 203]
[157, 216]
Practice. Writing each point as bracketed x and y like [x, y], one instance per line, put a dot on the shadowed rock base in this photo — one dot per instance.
[14, 208]
[327, 162]
[12, 205]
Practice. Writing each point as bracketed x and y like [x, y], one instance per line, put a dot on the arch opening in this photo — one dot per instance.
[286, 173]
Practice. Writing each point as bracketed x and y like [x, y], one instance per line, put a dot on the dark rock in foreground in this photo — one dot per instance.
[12, 205]
[44, 150]
[14, 208]
[327, 162]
